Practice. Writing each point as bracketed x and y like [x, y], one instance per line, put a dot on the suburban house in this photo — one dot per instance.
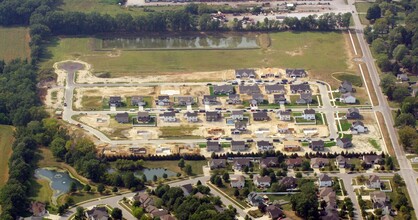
[238, 146]
[274, 212]
[97, 213]
[234, 99]
[240, 163]
[264, 181]
[115, 101]
[324, 180]
[213, 146]
[348, 98]
[291, 146]
[300, 88]
[279, 99]
[238, 182]
[38, 209]
[217, 163]
[237, 115]
[260, 116]
[344, 142]
[317, 145]
[168, 116]
[240, 126]
[155, 212]
[284, 115]
[122, 117]
[345, 87]
[328, 195]
[371, 160]
[353, 113]
[274, 88]
[249, 89]
[308, 114]
[162, 100]
[373, 182]
[402, 77]
[245, 73]
[318, 162]
[138, 101]
[143, 117]
[185, 100]
[341, 161]
[295, 73]
[168, 217]
[212, 116]
[293, 162]
[254, 199]
[187, 189]
[191, 117]
[264, 145]
[358, 127]
[144, 199]
[289, 182]
[269, 162]
[138, 150]
[209, 100]
[380, 201]
[223, 90]
[257, 98]
[305, 98]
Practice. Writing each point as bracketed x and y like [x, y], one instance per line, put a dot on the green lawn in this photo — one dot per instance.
[287, 49]
[6, 141]
[354, 79]
[177, 132]
[362, 6]
[345, 125]
[14, 43]
[41, 191]
[173, 165]
[363, 19]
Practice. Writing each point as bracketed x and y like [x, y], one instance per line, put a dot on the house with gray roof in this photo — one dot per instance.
[295, 73]
[257, 98]
[274, 88]
[269, 162]
[249, 89]
[308, 114]
[162, 100]
[213, 116]
[324, 180]
[371, 160]
[260, 116]
[279, 99]
[240, 163]
[304, 98]
[213, 146]
[341, 161]
[217, 163]
[262, 181]
[245, 73]
[344, 142]
[191, 117]
[97, 213]
[289, 182]
[115, 101]
[143, 117]
[348, 98]
[300, 88]
[284, 115]
[138, 101]
[345, 87]
[238, 146]
[264, 146]
[223, 89]
[168, 116]
[353, 113]
[240, 125]
[209, 100]
[318, 145]
[358, 127]
[234, 99]
[254, 199]
[237, 115]
[122, 117]
[185, 100]
[402, 77]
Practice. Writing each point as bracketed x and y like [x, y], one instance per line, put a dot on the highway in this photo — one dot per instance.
[406, 171]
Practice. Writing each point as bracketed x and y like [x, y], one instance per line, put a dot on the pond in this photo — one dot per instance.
[159, 172]
[59, 180]
[246, 41]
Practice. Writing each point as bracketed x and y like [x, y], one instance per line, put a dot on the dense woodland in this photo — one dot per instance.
[396, 49]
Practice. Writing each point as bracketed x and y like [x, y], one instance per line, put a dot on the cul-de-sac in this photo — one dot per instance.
[217, 110]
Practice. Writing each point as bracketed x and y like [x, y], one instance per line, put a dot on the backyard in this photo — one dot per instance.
[173, 165]
[14, 43]
[300, 50]
[6, 141]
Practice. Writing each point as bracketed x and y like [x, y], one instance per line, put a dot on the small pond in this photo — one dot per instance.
[59, 180]
[181, 42]
[159, 172]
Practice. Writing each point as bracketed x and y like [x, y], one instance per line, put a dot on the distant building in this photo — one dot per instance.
[138, 101]
[245, 73]
[223, 90]
[317, 145]
[264, 181]
[292, 73]
[115, 101]
[213, 146]
[122, 117]
[353, 113]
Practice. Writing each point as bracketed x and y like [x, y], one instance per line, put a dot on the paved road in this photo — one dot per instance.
[406, 171]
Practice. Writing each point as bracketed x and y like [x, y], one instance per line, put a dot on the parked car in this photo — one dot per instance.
[250, 140]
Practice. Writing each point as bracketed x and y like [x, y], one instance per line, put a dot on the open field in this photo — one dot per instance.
[41, 191]
[362, 6]
[354, 79]
[173, 165]
[14, 43]
[300, 50]
[6, 140]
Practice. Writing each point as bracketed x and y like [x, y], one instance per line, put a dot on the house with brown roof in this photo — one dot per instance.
[144, 199]
[167, 217]
[269, 162]
[318, 145]
[245, 73]
[274, 88]
[293, 162]
[143, 117]
[291, 146]
[274, 212]
[372, 160]
[122, 117]
[187, 189]
[260, 116]
[260, 181]
[341, 161]
[264, 145]
[185, 100]
[304, 98]
[300, 88]
[240, 163]
[217, 163]
[288, 182]
[223, 89]
[318, 162]
[38, 209]
[209, 100]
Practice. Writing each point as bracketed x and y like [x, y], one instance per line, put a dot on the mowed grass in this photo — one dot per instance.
[354, 79]
[14, 43]
[41, 190]
[306, 50]
[362, 6]
[6, 141]
[173, 165]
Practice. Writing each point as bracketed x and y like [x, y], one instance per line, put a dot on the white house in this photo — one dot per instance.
[284, 115]
[264, 181]
[239, 182]
[358, 127]
[414, 160]
[348, 98]
[264, 145]
[308, 114]
[168, 116]
[324, 180]
[237, 115]
[373, 182]
[191, 117]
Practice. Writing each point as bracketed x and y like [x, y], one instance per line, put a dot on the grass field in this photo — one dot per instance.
[362, 6]
[354, 79]
[14, 43]
[288, 49]
[173, 165]
[41, 191]
[6, 140]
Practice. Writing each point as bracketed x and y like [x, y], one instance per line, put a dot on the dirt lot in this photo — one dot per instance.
[54, 98]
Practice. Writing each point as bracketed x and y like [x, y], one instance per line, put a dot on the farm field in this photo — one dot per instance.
[14, 43]
[287, 50]
[6, 140]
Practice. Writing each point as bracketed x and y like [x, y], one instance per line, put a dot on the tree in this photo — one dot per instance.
[137, 212]
[61, 210]
[246, 169]
[79, 214]
[188, 169]
[198, 183]
[115, 189]
[379, 46]
[100, 188]
[87, 188]
[387, 81]
[236, 192]
[305, 203]
[155, 178]
[399, 52]
[400, 93]
[405, 119]
[246, 192]
[57, 147]
[181, 163]
[225, 176]
[116, 213]
[218, 181]
[165, 176]
[374, 12]
[298, 175]
[73, 187]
